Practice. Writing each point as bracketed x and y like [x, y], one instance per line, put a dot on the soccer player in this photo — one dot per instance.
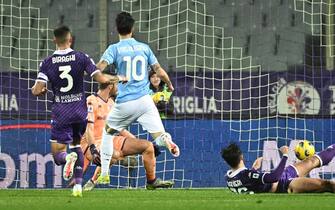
[129, 145]
[99, 105]
[290, 179]
[65, 69]
[133, 102]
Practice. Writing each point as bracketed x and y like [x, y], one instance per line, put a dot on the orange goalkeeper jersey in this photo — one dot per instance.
[98, 110]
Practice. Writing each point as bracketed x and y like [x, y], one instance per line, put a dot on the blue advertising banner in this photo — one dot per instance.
[26, 162]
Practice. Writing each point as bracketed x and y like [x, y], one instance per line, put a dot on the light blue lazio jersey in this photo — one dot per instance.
[132, 60]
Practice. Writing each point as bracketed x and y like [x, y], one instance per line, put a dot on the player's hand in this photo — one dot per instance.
[122, 79]
[113, 79]
[44, 90]
[95, 155]
[170, 87]
[284, 150]
[258, 163]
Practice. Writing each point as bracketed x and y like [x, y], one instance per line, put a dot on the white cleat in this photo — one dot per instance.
[69, 165]
[170, 145]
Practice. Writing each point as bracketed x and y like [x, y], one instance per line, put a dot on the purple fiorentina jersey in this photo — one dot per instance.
[65, 71]
[246, 181]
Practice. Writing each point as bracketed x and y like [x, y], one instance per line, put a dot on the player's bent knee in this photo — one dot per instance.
[150, 148]
[56, 147]
[56, 160]
[116, 155]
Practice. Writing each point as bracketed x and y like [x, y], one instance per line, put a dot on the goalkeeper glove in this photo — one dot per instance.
[95, 155]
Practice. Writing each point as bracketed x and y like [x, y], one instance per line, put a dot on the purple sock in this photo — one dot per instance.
[327, 155]
[59, 158]
[78, 166]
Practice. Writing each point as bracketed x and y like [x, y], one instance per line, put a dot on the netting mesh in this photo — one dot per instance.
[220, 67]
[258, 72]
[26, 39]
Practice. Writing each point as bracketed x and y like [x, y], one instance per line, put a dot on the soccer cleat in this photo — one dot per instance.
[170, 145]
[89, 185]
[77, 191]
[158, 183]
[69, 165]
[103, 179]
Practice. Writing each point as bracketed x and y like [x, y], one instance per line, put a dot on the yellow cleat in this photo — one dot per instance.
[77, 194]
[103, 179]
[77, 191]
[89, 185]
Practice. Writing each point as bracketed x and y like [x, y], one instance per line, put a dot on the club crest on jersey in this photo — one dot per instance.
[90, 108]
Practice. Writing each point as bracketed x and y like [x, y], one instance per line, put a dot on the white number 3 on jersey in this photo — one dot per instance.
[65, 75]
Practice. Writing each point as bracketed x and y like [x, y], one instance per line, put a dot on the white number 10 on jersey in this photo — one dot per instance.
[131, 65]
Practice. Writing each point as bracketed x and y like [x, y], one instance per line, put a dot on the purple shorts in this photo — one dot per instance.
[288, 175]
[65, 133]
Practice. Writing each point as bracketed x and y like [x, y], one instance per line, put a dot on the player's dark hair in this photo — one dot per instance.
[61, 33]
[232, 155]
[160, 86]
[124, 23]
[103, 86]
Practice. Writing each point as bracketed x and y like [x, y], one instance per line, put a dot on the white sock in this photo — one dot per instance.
[106, 152]
[77, 187]
[160, 141]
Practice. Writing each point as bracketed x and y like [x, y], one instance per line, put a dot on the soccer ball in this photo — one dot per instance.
[304, 149]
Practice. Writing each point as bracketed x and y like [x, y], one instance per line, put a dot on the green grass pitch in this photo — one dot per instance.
[160, 199]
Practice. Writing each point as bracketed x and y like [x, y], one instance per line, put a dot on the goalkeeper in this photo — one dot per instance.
[160, 95]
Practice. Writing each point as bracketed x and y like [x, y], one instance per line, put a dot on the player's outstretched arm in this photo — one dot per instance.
[258, 163]
[39, 88]
[90, 138]
[161, 73]
[105, 78]
[101, 65]
[275, 175]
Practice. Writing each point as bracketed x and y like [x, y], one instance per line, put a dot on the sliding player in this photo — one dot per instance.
[290, 179]
[133, 102]
[64, 69]
[129, 145]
